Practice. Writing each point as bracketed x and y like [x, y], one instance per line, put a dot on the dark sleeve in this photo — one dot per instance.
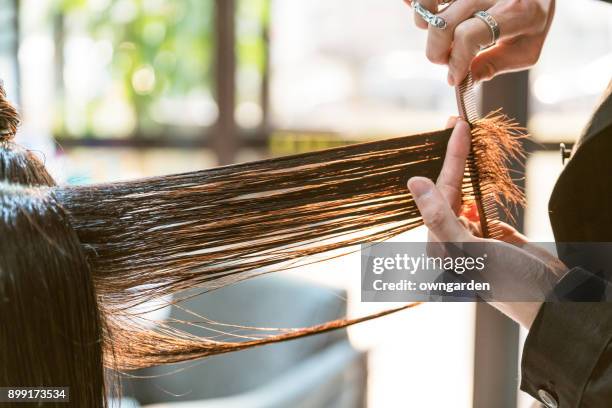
[568, 351]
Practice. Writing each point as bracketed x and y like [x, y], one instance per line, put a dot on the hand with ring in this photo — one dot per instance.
[488, 37]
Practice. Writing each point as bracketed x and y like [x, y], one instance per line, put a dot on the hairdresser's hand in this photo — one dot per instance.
[515, 269]
[450, 180]
[523, 25]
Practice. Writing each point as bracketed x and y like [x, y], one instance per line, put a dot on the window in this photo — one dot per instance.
[574, 69]
[252, 24]
[8, 45]
[565, 86]
[353, 67]
[114, 80]
[135, 68]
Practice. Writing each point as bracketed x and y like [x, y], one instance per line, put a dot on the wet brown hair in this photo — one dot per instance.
[50, 326]
[149, 238]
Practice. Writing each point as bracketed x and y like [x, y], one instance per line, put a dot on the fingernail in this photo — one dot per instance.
[420, 186]
[462, 122]
[451, 79]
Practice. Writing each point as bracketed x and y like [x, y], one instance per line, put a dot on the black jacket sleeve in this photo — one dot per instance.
[568, 355]
[568, 352]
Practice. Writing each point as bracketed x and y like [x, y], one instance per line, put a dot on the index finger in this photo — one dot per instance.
[451, 177]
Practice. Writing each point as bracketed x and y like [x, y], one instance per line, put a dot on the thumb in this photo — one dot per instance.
[505, 57]
[436, 212]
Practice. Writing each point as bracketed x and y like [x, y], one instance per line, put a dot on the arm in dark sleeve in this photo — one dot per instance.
[568, 352]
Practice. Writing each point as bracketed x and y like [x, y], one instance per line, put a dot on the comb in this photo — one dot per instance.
[485, 199]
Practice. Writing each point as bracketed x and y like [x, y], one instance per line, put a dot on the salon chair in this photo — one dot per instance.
[319, 371]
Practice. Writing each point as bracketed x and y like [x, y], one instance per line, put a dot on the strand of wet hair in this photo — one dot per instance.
[210, 228]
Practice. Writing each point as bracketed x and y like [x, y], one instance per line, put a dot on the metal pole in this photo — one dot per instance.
[225, 138]
[497, 337]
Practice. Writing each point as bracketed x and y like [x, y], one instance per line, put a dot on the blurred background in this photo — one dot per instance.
[119, 89]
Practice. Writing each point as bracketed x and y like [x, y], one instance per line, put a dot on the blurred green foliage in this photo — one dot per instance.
[159, 47]
[253, 19]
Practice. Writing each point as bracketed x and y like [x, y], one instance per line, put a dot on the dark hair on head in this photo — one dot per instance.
[22, 166]
[50, 325]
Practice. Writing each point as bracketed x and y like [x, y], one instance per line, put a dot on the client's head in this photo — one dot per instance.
[50, 325]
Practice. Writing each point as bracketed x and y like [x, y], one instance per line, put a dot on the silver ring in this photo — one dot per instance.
[428, 16]
[493, 26]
